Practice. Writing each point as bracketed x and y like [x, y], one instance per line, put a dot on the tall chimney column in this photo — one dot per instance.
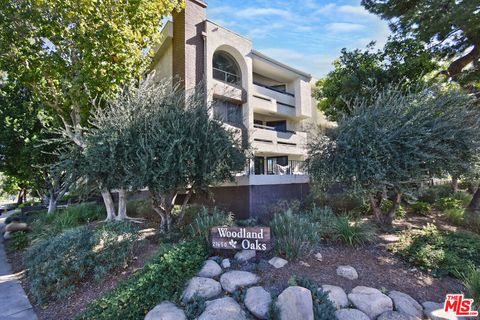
[188, 44]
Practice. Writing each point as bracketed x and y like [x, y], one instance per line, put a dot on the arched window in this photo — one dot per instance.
[225, 68]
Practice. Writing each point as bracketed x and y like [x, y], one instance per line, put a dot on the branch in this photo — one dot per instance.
[457, 66]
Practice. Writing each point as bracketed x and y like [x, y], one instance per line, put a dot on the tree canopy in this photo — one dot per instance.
[162, 138]
[451, 28]
[390, 145]
[358, 74]
[69, 52]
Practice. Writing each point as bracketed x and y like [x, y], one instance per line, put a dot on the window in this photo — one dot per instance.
[225, 68]
[278, 125]
[277, 165]
[228, 112]
[279, 87]
[259, 164]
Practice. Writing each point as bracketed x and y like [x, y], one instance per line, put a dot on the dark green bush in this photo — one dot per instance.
[387, 204]
[352, 232]
[294, 234]
[455, 215]
[449, 203]
[323, 308]
[325, 219]
[471, 281]
[422, 208]
[208, 218]
[18, 241]
[345, 202]
[434, 193]
[195, 307]
[439, 252]
[163, 278]
[58, 264]
[463, 196]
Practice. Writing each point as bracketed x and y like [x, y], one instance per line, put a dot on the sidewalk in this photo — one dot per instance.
[14, 302]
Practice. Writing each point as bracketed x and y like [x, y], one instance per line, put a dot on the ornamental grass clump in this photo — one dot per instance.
[294, 234]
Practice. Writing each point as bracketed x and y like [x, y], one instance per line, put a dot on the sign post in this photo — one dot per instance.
[239, 238]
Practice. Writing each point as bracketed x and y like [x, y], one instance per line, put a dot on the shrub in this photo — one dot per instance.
[58, 264]
[195, 307]
[161, 279]
[205, 220]
[449, 203]
[463, 196]
[325, 219]
[439, 252]
[454, 215]
[471, 281]
[352, 232]
[48, 225]
[345, 202]
[18, 241]
[323, 308]
[434, 193]
[422, 208]
[387, 205]
[295, 235]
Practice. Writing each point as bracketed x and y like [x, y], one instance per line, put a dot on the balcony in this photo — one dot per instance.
[293, 167]
[274, 101]
[267, 139]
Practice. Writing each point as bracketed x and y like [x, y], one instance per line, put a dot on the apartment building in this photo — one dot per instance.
[269, 103]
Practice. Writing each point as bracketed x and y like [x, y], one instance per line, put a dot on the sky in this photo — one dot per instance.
[305, 34]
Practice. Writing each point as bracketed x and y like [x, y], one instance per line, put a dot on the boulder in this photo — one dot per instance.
[405, 304]
[258, 300]
[245, 255]
[210, 269]
[15, 226]
[394, 315]
[203, 287]
[348, 272]
[295, 303]
[166, 311]
[370, 301]
[278, 262]
[226, 263]
[221, 309]
[435, 311]
[7, 235]
[351, 314]
[337, 295]
[232, 280]
[318, 256]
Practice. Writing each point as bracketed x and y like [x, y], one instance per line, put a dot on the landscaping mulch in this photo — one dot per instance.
[87, 292]
[376, 268]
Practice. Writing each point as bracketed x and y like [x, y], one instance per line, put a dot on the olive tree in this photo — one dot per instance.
[389, 146]
[160, 137]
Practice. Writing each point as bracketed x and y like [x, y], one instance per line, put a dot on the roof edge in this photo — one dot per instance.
[263, 56]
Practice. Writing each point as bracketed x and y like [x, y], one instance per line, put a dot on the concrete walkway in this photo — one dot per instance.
[14, 302]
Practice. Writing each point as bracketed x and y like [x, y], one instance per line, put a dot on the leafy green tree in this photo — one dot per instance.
[69, 54]
[451, 28]
[25, 156]
[387, 147]
[358, 74]
[162, 138]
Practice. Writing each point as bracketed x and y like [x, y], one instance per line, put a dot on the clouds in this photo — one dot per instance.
[308, 35]
[339, 27]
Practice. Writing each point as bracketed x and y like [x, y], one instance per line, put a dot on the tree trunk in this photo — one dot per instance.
[122, 204]
[20, 197]
[163, 205]
[109, 206]
[475, 203]
[184, 206]
[52, 204]
[375, 202]
[472, 187]
[455, 184]
[388, 219]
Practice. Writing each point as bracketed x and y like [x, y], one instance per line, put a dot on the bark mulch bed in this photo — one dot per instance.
[376, 268]
[88, 291]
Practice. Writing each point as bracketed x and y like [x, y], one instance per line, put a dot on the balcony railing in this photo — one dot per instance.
[260, 126]
[273, 89]
[293, 167]
[226, 76]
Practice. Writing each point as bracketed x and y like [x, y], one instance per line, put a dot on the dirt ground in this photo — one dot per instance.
[87, 292]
